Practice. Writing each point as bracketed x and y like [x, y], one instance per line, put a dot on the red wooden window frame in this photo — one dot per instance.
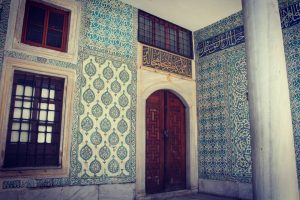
[47, 9]
[148, 34]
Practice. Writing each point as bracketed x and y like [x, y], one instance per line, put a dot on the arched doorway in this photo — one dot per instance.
[165, 143]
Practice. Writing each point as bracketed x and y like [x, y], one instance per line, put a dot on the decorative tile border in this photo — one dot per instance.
[290, 16]
[220, 42]
[162, 60]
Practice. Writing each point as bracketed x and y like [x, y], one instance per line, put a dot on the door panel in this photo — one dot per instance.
[175, 155]
[155, 143]
[165, 143]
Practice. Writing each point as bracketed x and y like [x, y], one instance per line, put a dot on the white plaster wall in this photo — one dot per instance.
[149, 81]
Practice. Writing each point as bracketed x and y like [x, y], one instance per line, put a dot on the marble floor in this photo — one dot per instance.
[192, 196]
[199, 196]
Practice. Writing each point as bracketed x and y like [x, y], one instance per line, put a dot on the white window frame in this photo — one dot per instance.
[9, 66]
[15, 26]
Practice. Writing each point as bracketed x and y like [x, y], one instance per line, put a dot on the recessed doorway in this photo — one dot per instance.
[165, 143]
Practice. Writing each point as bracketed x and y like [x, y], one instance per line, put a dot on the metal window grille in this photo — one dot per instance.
[165, 35]
[34, 127]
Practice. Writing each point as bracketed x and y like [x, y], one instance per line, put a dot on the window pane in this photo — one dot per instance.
[45, 93]
[14, 136]
[51, 116]
[26, 114]
[15, 126]
[54, 38]
[49, 138]
[52, 94]
[19, 90]
[24, 136]
[34, 34]
[56, 21]
[36, 15]
[41, 138]
[43, 115]
[17, 113]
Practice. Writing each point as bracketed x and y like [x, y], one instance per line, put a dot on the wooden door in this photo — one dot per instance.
[165, 143]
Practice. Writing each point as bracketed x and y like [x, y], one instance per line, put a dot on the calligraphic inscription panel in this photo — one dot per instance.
[168, 62]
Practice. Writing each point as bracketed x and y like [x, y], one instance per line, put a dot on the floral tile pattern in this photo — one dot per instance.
[105, 118]
[224, 136]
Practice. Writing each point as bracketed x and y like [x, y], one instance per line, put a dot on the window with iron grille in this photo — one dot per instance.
[165, 35]
[34, 127]
[45, 26]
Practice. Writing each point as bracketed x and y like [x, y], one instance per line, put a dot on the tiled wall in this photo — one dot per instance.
[103, 133]
[223, 123]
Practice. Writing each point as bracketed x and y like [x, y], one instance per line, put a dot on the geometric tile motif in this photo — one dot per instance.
[292, 52]
[104, 124]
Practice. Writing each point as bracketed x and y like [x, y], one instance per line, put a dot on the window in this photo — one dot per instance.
[164, 35]
[33, 137]
[36, 117]
[45, 26]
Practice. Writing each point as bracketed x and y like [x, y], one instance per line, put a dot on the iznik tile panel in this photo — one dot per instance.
[109, 27]
[224, 138]
[230, 59]
[292, 52]
[162, 60]
[104, 119]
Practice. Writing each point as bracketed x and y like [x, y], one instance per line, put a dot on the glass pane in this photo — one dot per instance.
[26, 114]
[34, 34]
[19, 90]
[42, 128]
[27, 104]
[15, 126]
[51, 106]
[43, 115]
[45, 93]
[49, 129]
[43, 106]
[56, 21]
[52, 94]
[41, 138]
[18, 104]
[28, 91]
[49, 138]
[17, 113]
[54, 38]
[14, 136]
[51, 116]
[24, 137]
[25, 126]
[36, 15]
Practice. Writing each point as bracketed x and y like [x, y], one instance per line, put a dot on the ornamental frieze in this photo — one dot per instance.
[168, 62]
